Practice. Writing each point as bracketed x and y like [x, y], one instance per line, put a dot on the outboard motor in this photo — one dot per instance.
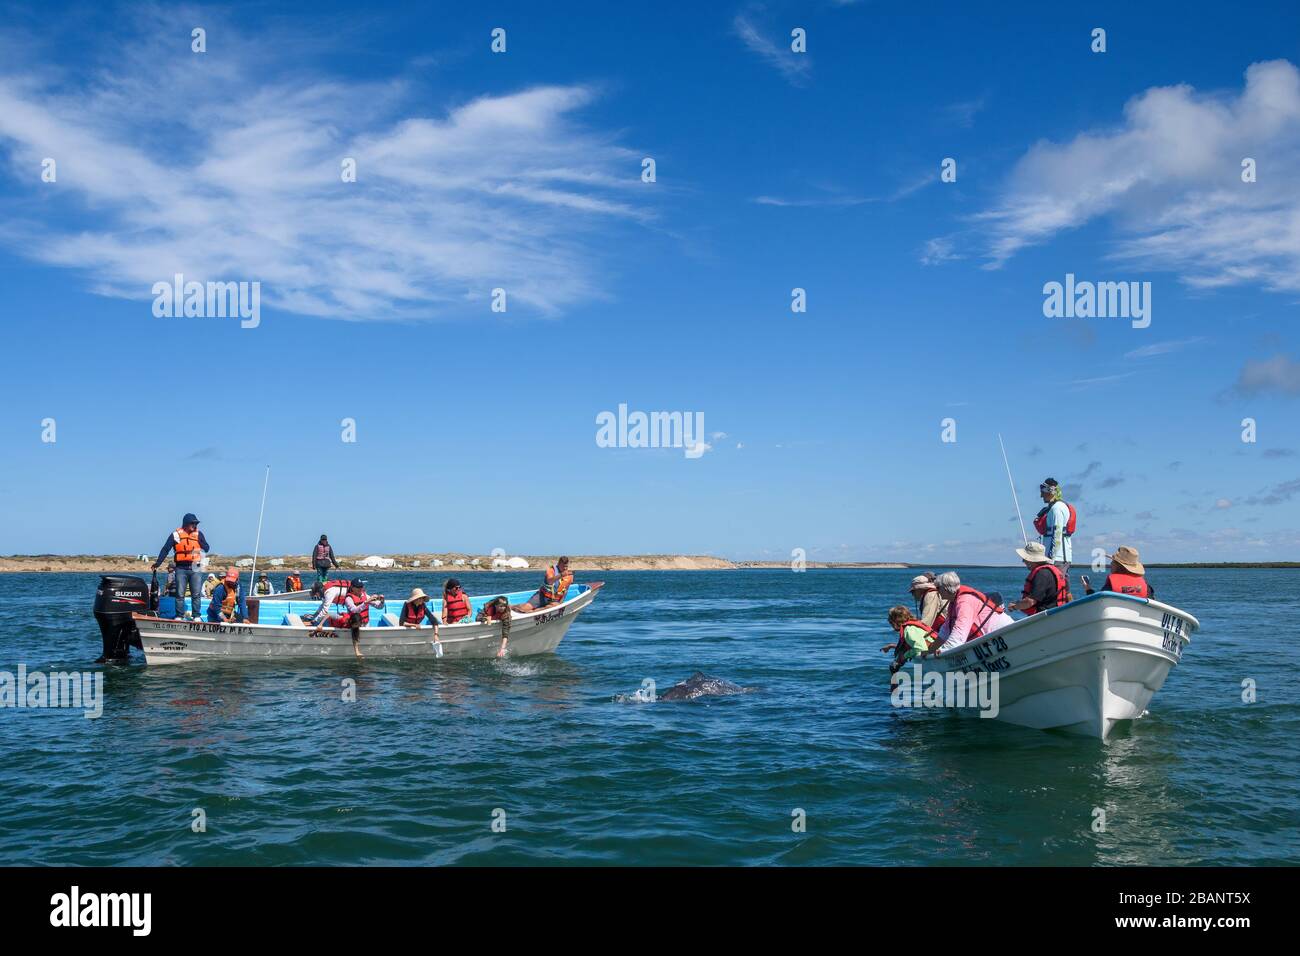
[117, 597]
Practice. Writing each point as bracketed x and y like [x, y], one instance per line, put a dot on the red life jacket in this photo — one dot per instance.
[358, 618]
[413, 613]
[1122, 583]
[344, 584]
[321, 555]
[1040, 522]
[455, 606]
[1062, 585]
[931, 635]
[977, 629]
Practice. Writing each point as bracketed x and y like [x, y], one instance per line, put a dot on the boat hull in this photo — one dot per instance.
[1081, 668]
[167, 641]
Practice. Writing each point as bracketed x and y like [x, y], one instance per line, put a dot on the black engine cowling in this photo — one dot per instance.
[118, 596]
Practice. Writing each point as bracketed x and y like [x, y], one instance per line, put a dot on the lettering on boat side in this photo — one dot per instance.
[1171, 627]
[547, 618]
[173, 645]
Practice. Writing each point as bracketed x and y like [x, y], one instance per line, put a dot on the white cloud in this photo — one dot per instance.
[1170, 176]
[210, 166]
[1277, 374]
[1164, 348]
[795, 67]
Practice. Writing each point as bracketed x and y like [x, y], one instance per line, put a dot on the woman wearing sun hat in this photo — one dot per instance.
[416, 611]
[1127, 575]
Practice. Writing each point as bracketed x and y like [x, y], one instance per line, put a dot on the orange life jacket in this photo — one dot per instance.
[977, 629]
[188, 549]
[293, 583]
[1062, 586]
[1040, 522]
[1122, 583]
[455, 606]
[931, 635]
[230, 603]
[556, 586]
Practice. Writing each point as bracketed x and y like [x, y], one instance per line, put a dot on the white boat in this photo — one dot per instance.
[276, 631]
[1082, 667]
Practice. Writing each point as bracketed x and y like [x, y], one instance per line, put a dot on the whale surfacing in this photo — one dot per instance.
[699, 685]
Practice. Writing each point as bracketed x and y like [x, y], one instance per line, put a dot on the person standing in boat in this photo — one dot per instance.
[1046, 585]
[322, 559]
[1056, 524]
[930, 608]
[1127, 575]
[228, 605]
[970, 612]
[553, 589]
[188, 546]
[455, 602]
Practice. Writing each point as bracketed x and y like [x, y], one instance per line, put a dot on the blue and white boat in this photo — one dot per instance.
[276, 629]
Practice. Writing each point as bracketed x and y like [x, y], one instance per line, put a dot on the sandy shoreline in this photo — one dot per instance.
[130, 564]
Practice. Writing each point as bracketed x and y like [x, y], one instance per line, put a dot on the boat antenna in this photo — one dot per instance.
[252, 580]
[1013, 489]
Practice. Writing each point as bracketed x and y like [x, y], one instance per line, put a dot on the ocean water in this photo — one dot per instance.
[417, 769]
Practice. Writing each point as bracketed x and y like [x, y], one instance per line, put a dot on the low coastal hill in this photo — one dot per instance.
[282, 564]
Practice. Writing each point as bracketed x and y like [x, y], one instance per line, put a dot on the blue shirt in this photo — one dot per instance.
[219, 598]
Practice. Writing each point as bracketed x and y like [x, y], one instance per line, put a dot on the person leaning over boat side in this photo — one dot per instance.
[416, 610]
[227, 605]
[356, 606]
[930, 608]
[210, 585]
[969, 612]
[1045, 586]
[554, 587]
[1056, 523]
[1127, 575]
[497, 609]
[322, 559]
[263, 585]
[455, 602]
[915, 637]
[187, 545]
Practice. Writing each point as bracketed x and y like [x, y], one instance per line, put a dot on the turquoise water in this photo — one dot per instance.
[287, 772]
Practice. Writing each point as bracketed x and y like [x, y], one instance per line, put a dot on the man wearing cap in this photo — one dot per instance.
[931, 608]
[189, 545]
[227, 605]
[1127, 575]
[1046, 586]
[1054, 522]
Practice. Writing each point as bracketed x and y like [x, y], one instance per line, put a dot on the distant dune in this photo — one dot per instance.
[405, 562]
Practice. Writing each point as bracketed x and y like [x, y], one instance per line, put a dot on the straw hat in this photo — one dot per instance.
[417, 595]
[922, 582]
[1033, 552]
[1127, 558]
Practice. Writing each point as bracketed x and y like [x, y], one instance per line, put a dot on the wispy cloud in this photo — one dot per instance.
[216, 167]
[1170, 177]
[1164, 348]
[963, 112]
[795, 67]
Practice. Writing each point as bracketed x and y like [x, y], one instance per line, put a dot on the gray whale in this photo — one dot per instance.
[699, 685]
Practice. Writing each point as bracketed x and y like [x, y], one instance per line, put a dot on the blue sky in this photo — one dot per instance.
[774, 171]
